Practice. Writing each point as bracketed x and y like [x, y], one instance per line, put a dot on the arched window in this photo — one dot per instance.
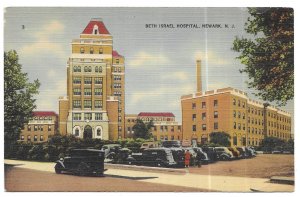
[100, 69]
[100, 50]
[75, 69]
[91, 50]
[98, 132]
[95, 29]
[81, 50]
[90, 69]
[96, 69]
[78, 68]
[76, 132]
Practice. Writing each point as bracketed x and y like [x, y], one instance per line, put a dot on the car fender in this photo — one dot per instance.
[61, 163]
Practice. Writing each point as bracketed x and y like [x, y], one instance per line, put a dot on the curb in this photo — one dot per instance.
[145, 168]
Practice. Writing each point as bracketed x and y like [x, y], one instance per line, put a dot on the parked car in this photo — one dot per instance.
[111, 148]
[243, 152]
[82, 162]
[224, 153]
[211, 153]
[171, 143]
[154, 157]
[149, 145]
[250, 151]
[201, 155]
[235, 152]
[178, 155]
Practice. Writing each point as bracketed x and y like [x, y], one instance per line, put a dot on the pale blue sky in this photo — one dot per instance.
[160, 63]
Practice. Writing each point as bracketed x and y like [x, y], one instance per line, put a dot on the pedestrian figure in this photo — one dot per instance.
[187, 158]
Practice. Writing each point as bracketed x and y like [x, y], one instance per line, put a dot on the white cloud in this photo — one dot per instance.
[44, 41]
[211, 58]
[147, 59]
[48, 97]
[180, 75]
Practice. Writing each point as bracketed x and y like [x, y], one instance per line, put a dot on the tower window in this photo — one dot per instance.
[81, 50]
[91, 50]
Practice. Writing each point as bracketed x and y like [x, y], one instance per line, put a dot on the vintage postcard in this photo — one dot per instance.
[144, 99]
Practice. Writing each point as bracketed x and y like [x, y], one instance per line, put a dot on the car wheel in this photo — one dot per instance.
[82, 169]
[224, 158]
[58, 168]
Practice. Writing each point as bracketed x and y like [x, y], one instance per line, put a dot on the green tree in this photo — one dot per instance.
[272, 143]
[142, 130]
[19, 99]
[268, 55]
[220, 138]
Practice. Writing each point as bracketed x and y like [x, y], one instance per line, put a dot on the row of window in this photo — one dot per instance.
[117, 78]
[203, 104]
[87, 91]
[117, 85]
[279, 126]
[35, 138]
[203, 116]
[172, 137]
[88, 80]
[216, 126]
[38, 127]
[87, 116]
[279, 134]
[92, 50]
[165, 128]
[87, 104]
[41, 118]
[238, 103]
[87, 69]
[98, 132]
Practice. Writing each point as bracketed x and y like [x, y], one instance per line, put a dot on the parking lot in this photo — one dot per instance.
[261, 166]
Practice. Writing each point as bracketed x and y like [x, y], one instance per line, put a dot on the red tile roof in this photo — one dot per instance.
[116, 54]
[101, 27]
[164, 114]
[44, 113]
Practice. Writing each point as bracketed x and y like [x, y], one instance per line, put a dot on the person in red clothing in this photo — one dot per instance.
[187, 158]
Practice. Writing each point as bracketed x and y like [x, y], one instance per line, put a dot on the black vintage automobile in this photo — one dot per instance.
[178, 155]
[82, 162]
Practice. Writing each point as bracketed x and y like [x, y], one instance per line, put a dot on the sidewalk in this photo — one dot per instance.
[216, 183]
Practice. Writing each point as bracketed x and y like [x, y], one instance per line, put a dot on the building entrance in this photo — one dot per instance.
[88, 133]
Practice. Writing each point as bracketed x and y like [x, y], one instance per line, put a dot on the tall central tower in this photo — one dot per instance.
[95, 102]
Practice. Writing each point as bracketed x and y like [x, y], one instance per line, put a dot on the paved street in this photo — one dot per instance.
[127, 180]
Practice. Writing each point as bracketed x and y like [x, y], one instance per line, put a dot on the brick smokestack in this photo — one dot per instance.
[198, 75]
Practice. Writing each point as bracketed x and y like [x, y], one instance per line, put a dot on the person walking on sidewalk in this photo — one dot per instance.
[187, 158]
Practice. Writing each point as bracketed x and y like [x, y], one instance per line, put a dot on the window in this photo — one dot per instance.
[194, 128]
[87, 80]
[194, 117]
[98, 132]
[41, 128]
[239, 126]
[28, 138]
[77, 116]
[92, 49]
[98, 103]
[117, 61]
[87, 116]
[203, 116]
[81, 50]
[172, 128]
[203, 105]
[234, 113]
[239, 114]
[239, 103]
[117, 85]
[22, 137]
[77, 91]
[29, 128]
[35, 138]
[100, 50]
[41, 138]
[193, 105]
[235, 140]
[215, 103]
[161, 128]
[76, 132]
[98, 80]
[234, 125]
[216, 125]
[119, 69]
[100, 69]
[243, 115]
[35, 128]
[179, 128]
[128, 130]
[244, 127]
[234, 102]
[87, 104]
[76, 80]
[243, 105]
[96, 69]
[216, 114]
[76, 104]
[87, 91]
[204, 127]
[98, 91]
[49, 128]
